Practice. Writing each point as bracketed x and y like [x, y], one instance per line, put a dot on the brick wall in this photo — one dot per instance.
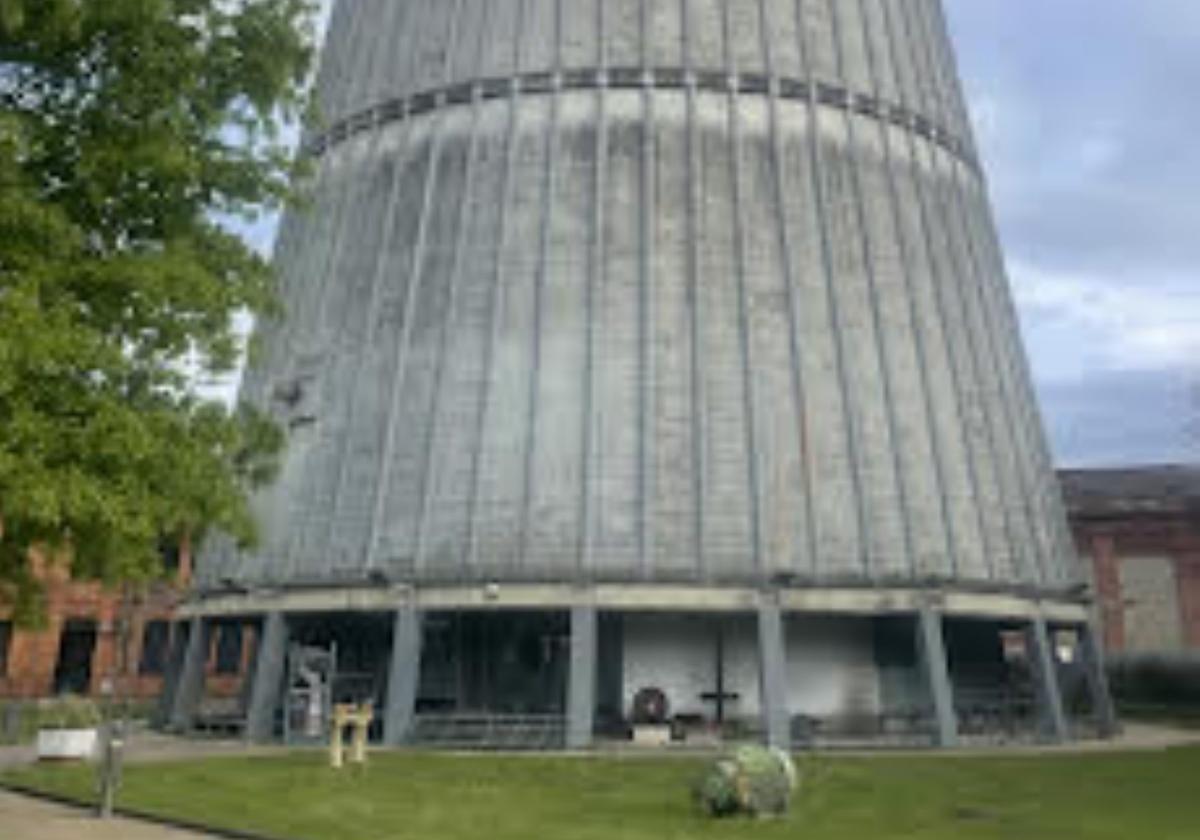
[33, 652]
[1110, 543]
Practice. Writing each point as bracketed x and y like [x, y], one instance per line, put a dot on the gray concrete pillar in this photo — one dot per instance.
[1091, 655]
[1044, 665]
[772, 659]
[190, 686]
[931, 647]
[171, 673]
[404, 676]
[581, 683]
[270, 661]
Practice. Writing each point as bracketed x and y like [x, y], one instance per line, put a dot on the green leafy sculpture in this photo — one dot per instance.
[752, 781]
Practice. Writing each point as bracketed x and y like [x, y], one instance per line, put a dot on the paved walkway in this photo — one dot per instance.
[149, 747]
[22, 818]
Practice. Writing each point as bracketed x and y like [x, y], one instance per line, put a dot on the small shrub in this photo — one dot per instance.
[1169, 681]
[754, 781]
[69, 712]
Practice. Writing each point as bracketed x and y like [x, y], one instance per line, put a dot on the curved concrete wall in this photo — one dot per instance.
[648, 290]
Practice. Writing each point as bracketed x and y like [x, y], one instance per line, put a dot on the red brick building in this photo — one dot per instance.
[1139, 530]
[78, 646]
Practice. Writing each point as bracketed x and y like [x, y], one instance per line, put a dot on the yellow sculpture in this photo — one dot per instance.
[359, 718]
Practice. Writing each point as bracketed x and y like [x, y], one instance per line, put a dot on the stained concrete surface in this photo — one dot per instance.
[22, 818]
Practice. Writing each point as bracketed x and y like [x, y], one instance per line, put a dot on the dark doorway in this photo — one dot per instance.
[509, 663]
[73, 673]
[363, 645]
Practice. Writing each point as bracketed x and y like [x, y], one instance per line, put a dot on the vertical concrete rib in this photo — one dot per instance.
[975, 373]
[962, 128]
[1019, 492]
[975, 334]
[940, 281]
[849, 403]
[307, 325]
[906, 270]
[357, 349]
[312, 293]
[498, 282]
[546, 205]
[788, 280]
[589, 455]
[646, 481]
[445, 345]
[1037, 454]
[879, 334]
[749, 414]
[696, 335]
[401, 371]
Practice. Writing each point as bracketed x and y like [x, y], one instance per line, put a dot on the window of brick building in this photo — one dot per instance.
[229, 649]
[76, 647]
[168, 552]
[155, 637]
[5, 640]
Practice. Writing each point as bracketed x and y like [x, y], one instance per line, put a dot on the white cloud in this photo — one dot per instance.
[1082, 325]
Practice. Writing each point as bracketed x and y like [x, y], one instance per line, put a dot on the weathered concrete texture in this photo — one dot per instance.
[658, 327]
[23, 818]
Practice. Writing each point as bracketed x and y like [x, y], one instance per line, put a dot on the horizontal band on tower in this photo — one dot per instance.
[822, 93]
[1058, 608]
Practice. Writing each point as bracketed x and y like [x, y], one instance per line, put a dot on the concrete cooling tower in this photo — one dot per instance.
[651, 349]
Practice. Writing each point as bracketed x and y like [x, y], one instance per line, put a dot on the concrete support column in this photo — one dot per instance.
[1043, 661]
[772, 658]
[190, 687]
[404, 676]
[931, 648]
[581, 687]
[171, 674]
[1091, 655]
[270, 660]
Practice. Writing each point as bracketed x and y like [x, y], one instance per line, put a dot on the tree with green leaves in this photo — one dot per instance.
[129, 130]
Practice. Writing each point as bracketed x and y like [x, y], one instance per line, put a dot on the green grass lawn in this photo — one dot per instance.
[440, 797]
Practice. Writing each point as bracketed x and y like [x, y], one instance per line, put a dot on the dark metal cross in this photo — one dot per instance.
[720, 697]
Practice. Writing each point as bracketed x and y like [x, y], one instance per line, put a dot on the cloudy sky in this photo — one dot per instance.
[1085, 112]
[1086, 115]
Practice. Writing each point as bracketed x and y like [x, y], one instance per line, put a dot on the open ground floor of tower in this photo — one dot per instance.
[568, 675]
